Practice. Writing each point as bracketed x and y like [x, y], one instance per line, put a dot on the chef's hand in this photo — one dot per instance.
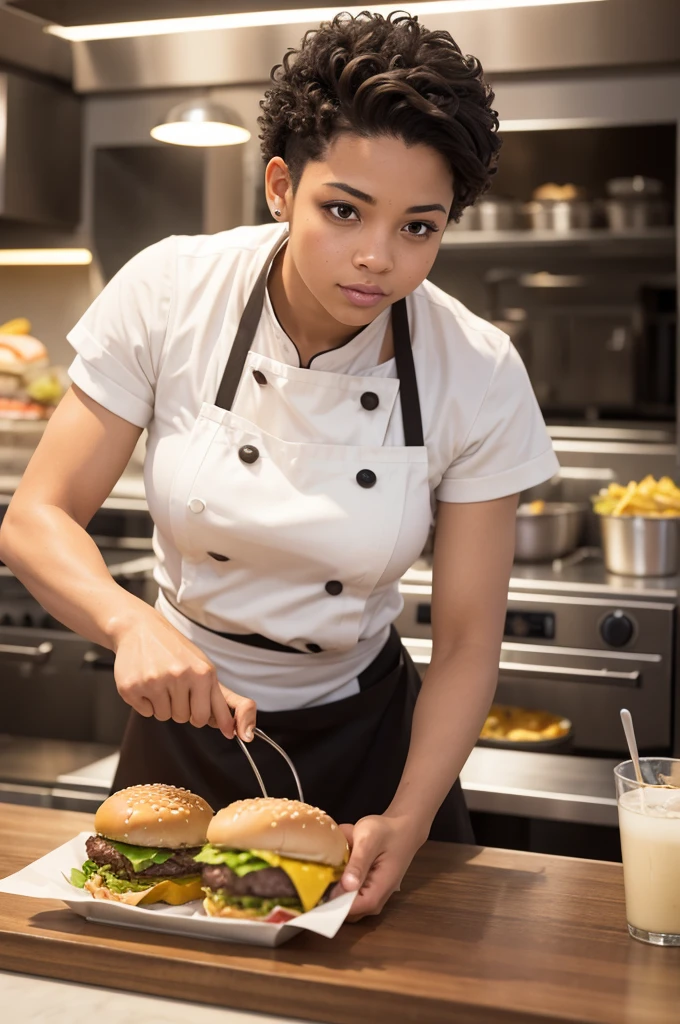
[382, 849]
[163, 675]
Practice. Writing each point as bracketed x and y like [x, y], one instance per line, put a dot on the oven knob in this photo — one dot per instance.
[617, 629]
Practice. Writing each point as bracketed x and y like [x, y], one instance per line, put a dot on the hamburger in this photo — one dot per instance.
[144, 847]
[265, 853]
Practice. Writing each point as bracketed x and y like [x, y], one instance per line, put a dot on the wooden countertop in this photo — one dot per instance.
[477, 936]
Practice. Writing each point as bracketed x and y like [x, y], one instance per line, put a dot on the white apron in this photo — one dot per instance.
[290, 511]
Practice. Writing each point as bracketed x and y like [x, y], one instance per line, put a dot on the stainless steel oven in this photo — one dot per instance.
[54, 683]
[580, 643]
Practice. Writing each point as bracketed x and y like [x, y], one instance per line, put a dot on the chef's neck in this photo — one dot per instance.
[309, 326]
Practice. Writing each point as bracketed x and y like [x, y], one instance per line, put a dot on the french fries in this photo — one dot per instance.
[522, 725]
[651, 497]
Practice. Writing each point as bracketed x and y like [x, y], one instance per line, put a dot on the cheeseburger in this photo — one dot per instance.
[144, 848]
[265, 853]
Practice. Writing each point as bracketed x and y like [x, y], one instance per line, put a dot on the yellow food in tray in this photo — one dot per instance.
[521, 725]
[536, 508]
[651, 497]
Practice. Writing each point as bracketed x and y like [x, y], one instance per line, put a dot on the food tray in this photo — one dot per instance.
[47, 878]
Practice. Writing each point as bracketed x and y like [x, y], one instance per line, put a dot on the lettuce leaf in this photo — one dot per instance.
[142, 857]
[262, 904]
[241, 862]
[111, 880]
[117, 884]
[121, 885]
[80, 875]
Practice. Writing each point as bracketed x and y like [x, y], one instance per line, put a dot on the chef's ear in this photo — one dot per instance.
[278, 188]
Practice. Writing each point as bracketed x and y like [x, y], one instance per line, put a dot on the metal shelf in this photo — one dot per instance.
[594, 241]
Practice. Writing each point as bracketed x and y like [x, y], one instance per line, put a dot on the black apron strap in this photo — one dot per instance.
[247, 327]
[249, 639]
[403, 355]
[406, 372]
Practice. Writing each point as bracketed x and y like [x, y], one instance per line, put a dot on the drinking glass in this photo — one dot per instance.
[649, 823]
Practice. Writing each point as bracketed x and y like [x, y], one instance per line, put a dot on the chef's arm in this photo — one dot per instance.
[44, 540]
[45, 543]
[474, 548]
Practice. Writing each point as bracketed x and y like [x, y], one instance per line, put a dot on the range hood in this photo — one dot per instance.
[40, 152]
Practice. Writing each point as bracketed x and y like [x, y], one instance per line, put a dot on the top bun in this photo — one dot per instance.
[154, 815]
[287, 827]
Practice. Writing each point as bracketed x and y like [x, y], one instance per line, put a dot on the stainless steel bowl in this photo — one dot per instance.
[559, 214]
[491, 213]
[637, 214]
[552, 533]
[640, 545]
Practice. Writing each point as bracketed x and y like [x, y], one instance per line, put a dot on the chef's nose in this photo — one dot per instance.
[374, 254]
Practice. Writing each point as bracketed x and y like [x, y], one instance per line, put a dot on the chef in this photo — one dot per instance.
[312, 402]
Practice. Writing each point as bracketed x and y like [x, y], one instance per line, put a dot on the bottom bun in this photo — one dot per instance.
[166, 891]
[213, 910]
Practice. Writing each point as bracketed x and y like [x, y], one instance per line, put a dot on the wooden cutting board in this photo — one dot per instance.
[477, 936]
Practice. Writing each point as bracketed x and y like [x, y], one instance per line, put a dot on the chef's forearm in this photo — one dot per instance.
[450, 711]
[60, 564]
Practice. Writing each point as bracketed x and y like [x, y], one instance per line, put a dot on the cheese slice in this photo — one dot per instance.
[168, 890]
[174, 892]
[310, 880]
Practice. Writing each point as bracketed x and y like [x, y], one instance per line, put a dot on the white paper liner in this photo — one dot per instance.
[47, 879]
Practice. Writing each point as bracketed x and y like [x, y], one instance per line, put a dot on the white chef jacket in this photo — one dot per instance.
[152, 349]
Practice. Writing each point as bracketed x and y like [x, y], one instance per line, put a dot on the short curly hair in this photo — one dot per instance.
[372, 76]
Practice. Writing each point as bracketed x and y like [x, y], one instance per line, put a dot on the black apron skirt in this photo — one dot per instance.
[349, 754]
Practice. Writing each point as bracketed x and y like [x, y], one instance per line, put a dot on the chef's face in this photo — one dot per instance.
[365, 224]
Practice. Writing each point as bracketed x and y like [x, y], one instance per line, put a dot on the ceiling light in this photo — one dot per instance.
[253, 19]
[199, 123]
[45, 257]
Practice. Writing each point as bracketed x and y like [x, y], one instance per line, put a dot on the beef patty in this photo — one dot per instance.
[267, 883]
[102, 852]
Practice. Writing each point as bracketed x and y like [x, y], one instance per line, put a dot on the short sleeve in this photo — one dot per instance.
[508, 448]
[119, 338]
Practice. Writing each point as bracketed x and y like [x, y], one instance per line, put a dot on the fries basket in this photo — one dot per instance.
[636, 545]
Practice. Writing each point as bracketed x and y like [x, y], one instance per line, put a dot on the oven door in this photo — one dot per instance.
[57, 685]
[554, 657]
[590, 688]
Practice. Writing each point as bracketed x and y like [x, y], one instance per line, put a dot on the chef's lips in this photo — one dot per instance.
[147, 837]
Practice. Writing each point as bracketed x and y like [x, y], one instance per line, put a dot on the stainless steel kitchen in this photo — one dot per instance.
[133, 129]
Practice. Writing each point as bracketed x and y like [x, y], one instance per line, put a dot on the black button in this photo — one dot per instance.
[366, 478]
[617, 629]
[259, 377]
[313, 648]
[218, 558]
[334, 587]
[248, 453]
[370, 400]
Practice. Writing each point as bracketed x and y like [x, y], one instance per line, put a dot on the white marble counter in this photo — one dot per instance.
[26, 999]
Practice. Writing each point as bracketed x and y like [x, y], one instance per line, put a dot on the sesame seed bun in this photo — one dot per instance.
[287, 827]
[154, 815]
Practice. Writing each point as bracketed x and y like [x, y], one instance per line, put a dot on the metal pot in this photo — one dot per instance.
[636, 214]
[559, 214]
[551, 533]
[640, 545]
[492, 213]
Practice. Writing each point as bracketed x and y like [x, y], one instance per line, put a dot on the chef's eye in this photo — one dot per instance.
[340, 211]
[421, 228]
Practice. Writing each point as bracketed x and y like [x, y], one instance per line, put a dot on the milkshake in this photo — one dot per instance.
[649, 822]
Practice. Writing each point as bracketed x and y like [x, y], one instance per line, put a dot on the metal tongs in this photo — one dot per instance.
[282, 752]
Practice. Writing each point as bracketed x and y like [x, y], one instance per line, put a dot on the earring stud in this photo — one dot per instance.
[277, 213]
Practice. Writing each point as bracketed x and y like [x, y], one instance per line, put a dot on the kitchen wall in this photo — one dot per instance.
[225, 190]
[53, 298]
